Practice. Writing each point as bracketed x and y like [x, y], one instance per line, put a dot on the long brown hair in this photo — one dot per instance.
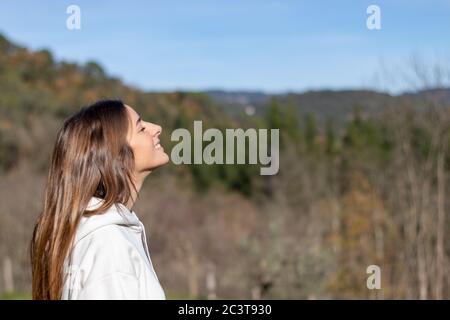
[91, 157]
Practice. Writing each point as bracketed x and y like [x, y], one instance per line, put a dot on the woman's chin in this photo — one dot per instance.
[166, 157]
[162, 159]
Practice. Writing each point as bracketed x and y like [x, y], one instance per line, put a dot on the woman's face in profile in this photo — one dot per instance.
[143, 138]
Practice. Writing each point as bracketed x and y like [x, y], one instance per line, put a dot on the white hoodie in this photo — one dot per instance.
[110, 258]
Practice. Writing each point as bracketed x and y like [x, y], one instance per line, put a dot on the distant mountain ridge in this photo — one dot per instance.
[33, 80]
[337, 104]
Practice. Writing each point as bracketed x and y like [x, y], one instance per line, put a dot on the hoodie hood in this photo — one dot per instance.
[116, 264]
[117, 214]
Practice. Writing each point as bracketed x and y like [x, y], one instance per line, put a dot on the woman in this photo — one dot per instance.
[88, 243]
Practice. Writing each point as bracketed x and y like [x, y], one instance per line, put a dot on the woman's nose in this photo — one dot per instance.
[157, 129]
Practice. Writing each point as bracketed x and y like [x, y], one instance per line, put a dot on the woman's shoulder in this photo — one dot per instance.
[108, 250]
[111, 241]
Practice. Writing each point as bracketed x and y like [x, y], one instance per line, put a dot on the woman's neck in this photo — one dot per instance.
[134, 194]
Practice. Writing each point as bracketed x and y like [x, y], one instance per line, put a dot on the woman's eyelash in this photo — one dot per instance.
[142, 129]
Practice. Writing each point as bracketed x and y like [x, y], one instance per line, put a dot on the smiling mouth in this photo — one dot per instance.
[158, 145]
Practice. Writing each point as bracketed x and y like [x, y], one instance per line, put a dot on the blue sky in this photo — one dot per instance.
[273, 46]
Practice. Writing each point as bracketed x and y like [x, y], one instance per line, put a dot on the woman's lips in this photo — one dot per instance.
[158, 145]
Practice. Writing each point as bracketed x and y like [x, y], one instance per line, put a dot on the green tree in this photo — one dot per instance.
[311, 131]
